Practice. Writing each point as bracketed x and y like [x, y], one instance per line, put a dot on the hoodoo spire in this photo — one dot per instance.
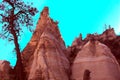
[44, 57]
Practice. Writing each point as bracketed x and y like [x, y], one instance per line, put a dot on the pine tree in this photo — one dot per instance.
[15, 13]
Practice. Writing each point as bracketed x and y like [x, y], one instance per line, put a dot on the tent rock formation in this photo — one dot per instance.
[46, 58]
[98, 59]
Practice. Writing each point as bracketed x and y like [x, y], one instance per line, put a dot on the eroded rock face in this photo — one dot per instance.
[44, 57]
[109, 34]
[5, 71]
[108, 37]
[95, 62]
[114, 46]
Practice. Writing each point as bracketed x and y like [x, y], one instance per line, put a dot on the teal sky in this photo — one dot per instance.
[74, 16]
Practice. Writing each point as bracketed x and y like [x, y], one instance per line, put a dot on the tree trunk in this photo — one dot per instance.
[19, 66]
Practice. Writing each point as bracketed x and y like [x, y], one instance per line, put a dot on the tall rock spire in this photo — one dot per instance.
[44, 56]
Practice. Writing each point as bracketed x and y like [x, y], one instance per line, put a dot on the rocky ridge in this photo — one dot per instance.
[108, 37]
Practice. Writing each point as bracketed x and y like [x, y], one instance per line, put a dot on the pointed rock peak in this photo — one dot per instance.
[46, 27]
[80, 36]
[45, 12]
[44, 16]
[45, 51]
[108, 34]
[110, 30]
[77, 41]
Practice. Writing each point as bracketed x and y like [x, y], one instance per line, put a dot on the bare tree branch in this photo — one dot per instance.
[2, 15]
[8, 1]
[4, 18]
[20, 12]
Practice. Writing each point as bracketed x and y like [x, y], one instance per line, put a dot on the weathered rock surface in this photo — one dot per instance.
[108, 37]
[97, 59]
[5, 71]
[44, 57]
[114, 46]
